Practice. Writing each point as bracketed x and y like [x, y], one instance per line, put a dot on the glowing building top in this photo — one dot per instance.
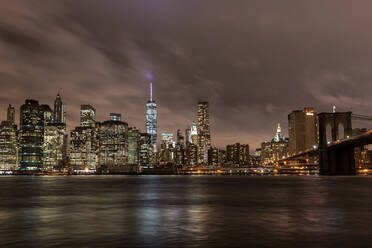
[278, 136]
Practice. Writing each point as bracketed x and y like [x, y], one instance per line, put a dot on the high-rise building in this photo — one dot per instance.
[11, 115]
[115, 117]
[204, 135]
[31, 135]
[87, 116]
[152, 120]
[112, 144]
[8, 146]
[59, 110]
[303, 130]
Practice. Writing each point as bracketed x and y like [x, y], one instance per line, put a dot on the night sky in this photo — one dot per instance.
[254, 61]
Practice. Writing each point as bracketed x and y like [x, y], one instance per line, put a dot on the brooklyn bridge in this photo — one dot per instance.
[335, 152]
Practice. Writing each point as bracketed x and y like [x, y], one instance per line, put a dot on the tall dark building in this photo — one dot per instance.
[10, 115]
[204, 133]
[31, 135]
[303, 130]
[59, 110]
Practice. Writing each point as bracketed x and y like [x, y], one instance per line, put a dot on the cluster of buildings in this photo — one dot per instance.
[41, 142]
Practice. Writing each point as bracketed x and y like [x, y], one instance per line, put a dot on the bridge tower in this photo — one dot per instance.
[335, 161]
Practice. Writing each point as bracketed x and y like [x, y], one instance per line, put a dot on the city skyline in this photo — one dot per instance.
[250, 84]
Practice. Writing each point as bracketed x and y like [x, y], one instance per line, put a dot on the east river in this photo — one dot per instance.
[185, 211]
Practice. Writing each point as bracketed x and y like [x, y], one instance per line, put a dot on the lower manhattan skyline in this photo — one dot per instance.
[108, 62]
[185, 123]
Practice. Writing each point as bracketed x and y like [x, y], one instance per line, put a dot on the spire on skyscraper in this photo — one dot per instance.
[278, 136]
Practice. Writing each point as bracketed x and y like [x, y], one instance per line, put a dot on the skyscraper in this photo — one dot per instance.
[303, 130]
[152, 120]
[59, 110]
[11, 115]
[204, 135]
[31, 135]
[87, 115]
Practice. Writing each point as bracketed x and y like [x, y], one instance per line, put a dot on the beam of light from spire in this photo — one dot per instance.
[151, 91]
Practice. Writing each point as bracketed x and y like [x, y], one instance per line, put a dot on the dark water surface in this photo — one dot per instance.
[185, 211]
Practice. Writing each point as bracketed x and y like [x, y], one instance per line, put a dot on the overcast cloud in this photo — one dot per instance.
[254, 61]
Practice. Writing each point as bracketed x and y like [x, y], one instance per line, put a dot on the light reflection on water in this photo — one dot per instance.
[185, 211]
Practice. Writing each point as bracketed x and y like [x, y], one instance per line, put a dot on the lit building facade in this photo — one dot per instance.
[191, 156]
[303, 130]
[54, 146]
[152, 120]
[203, 130]
[113, 143]
[238, 154]
[8, 146]
[83, 148]
[87, 116]
[213, 157]
[31, 136]
[145, 149]
[167, 148]
[115, 117]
